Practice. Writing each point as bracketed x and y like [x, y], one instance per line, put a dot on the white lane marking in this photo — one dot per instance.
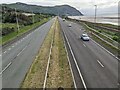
[22, 50]
[106, 50]
[5, 52]
[9, 49]
[12, 46]
[84, 45]
[0, 55]
[6, 67]
[48, 64]
[100, 63]
[70, 66]
[79, 71]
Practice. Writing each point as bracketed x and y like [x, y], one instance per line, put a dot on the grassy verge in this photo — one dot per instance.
[59, 73]
[100, 34]
[107, 46]
[104, 44]
[13, 35]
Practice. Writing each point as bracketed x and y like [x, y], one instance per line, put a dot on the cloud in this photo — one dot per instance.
[86, 6]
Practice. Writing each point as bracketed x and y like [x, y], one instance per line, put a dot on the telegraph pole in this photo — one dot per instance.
[17, 22]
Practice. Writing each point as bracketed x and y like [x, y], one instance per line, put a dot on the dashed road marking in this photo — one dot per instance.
[84, 45]
[5, 52]
[18, 41]
[100, 63]
[5, 68]
[21, 51]
[9, 49]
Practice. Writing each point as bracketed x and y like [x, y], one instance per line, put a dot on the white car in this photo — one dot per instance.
[85, 37]
[63, 19]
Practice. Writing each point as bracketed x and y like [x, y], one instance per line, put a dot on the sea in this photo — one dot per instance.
[108, 19]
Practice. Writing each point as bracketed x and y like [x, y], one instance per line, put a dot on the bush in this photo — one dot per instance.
[115, 38]
[7, 30]
[100, 31]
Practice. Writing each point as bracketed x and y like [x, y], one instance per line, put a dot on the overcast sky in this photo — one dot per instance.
[85, 6]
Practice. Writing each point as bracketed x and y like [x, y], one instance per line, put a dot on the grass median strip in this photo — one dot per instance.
[59, 74]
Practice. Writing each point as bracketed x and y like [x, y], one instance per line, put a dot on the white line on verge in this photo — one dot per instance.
[70, 66]
[100, 63]
[105, 50]
[5, 68]
[76, 63]
[45, 80]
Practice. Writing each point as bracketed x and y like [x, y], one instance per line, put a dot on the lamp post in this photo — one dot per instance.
[33, 17]
[95, 13]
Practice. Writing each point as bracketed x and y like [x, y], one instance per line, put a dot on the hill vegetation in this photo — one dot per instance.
[26, 22]
[56, 10]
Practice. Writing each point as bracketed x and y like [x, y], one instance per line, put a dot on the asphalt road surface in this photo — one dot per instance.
[98, 68]
[17, 58]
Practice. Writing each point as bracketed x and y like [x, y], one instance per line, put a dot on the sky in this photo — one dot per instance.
[85, 6]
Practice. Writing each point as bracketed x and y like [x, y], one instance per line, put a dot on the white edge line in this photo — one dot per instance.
[45, 80]
[6, 67]
[100, 63]
[76, 63]
[70, 66]
[105, 50]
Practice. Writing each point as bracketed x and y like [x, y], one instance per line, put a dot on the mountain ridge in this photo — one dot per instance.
[56, 10]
